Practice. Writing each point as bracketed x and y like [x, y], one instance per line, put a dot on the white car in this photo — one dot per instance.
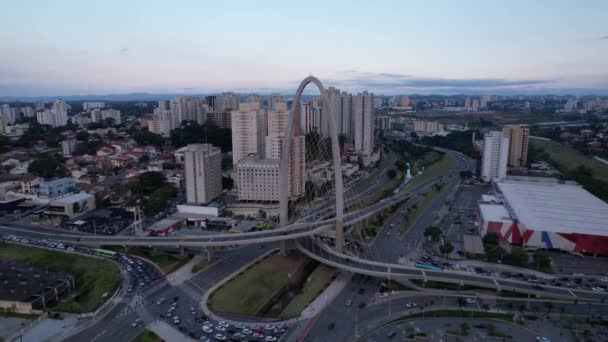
[207, 329]
[247, 331]
[605, 280]
[542, 339]
[220, 328]
[224, 324]
[220, 337]
[471, 301]
[410, 305]
[270, 339]
[597, 289]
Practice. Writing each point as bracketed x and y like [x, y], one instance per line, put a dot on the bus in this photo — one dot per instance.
[429, 267]
[105, 253]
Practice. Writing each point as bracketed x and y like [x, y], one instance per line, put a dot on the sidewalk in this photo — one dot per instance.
[325, 298]
[184, 273]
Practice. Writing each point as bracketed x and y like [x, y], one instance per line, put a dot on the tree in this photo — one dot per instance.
[227, 183]
[47, 167]
[391, 173]
[518, 257]
[446, 248]
[144, 158]
[191, 132]
[433, 232]
[491, 238]
[82, 135]
[466, 174]
[542, 259]
[146, 137]
[148, 182]
[159, 199]
[494, 252]
[401, 165]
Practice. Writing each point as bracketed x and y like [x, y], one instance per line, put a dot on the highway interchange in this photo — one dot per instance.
[116, 324]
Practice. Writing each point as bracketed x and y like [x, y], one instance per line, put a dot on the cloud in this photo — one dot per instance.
[397, 82]
[124, 50]
[603, 38]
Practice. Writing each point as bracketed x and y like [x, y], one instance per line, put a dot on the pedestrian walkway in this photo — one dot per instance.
[185, 272]
[330, 293]
[159, 285]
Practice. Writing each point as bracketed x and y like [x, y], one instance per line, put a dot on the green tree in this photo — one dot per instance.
[542, 261]
[494, 252]
[491, 238]
[159, 199]
[191, 132]
[148, 182]
[433, 231]
[446, 248]
[401, 165]
[517, 257]
[82, 135]
[391, 173]
[145, 137]
[47, 167]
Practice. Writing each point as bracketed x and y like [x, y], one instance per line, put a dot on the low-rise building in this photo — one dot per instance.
[72, 205]
[57, 187]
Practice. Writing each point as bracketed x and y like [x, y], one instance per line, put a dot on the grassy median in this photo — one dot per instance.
[441, 167]
[247, 292]
[147, 336]
[94, 277]
[167, 262]
[319, 279]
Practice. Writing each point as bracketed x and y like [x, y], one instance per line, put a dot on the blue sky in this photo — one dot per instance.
[389, 47]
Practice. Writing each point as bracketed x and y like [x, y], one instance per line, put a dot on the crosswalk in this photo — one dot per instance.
[159, 285]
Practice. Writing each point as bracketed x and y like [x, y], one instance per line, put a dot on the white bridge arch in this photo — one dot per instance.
[294, 113]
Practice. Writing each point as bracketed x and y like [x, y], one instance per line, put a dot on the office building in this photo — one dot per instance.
[363, 123]
[249, 129]
[57, 187]
[495, 156]
[518, 145]
[203, 169]
[258, 179]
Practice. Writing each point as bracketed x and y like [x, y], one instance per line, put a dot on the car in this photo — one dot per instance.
[204, 339]
[207, 329]
[391, 334]
[220, 328]
[161, 301]
[269, 327]
[224, 324]
[471, 301]
[137, 323]
[208, 323]
[410, 305]
[605, 280]
[542, 339]
[270, 339]
[247, 331]
[220, 337]
[349, 302]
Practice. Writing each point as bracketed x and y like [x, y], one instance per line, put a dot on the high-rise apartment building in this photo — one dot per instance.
[306, 112]
[188, 108]
[159, 126]
[51, 118]
[363, 123]
[518, 144]
[467, 103]
[273, 99]
[249, 129]
[255, 98]
[340, 106]
[277, 132]
[227, 101]
[68, 146]
[405, 101]
[203, 169]
[495, 156]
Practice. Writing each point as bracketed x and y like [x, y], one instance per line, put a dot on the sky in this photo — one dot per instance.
[54, 48]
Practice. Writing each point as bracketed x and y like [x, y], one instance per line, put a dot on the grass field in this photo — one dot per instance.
[381, 192]
[94, 277]
[320, 278]
[441, 167]
[249, 290]
[147, 336]
[167, 262]
[570, 158]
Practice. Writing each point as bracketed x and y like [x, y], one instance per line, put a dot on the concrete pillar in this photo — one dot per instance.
[182, 251]
[126, 248]
[286, 246]
[209, 254]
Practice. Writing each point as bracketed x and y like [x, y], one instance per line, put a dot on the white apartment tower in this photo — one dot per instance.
[340, 107]
[188, 108]
[495, 156]
[228, 101]
[249, 128]
[203, 169]
[111, 113]
[277, 129]
[159, 126]
[306, 113]
[273, 99]
[363, 123]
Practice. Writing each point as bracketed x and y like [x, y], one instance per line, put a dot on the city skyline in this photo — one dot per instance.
[387, 48]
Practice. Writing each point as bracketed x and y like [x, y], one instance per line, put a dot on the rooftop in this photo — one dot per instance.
[554, 207]
[494, 212]
[73, 198]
